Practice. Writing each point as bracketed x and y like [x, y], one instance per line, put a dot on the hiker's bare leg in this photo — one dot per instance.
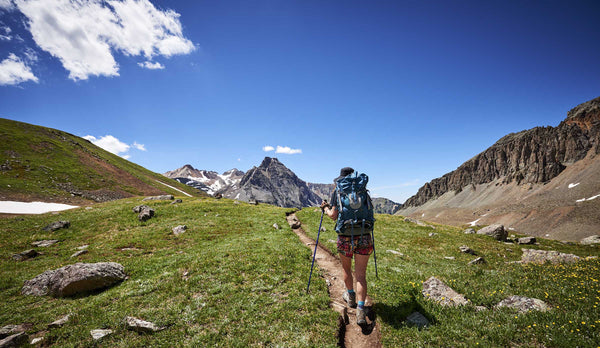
[347, 266]
[360, 270]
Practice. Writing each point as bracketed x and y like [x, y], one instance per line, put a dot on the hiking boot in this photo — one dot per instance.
[361, 316]
[350, 298]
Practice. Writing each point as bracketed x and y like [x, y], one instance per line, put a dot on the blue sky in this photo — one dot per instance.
[405, 91]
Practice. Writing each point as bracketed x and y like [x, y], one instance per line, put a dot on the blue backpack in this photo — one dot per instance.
[354, 205]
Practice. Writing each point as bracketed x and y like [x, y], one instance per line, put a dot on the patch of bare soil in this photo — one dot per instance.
[350, 334]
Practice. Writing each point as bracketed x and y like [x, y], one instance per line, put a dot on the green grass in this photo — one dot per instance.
[42, 159]
[572, 290]
[245, 285]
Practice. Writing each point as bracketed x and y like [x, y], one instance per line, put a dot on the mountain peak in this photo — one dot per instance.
[268, 161]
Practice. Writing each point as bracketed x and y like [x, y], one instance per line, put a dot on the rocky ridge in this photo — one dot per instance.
[531, 156]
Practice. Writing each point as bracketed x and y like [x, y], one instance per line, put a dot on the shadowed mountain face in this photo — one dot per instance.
[385, 206]
[273, 183]
[514, 175]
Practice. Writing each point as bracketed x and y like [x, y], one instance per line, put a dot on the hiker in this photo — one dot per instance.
[354, 238]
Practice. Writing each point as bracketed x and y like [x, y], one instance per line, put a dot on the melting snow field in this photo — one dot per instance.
[573, 185]
[174, 188]
[11, 207]
[474, 223]
[587, 199]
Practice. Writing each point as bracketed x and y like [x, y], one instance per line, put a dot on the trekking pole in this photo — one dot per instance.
[374, 254]
[315, 253]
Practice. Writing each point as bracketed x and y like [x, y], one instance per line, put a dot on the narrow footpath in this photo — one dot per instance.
[349, 333]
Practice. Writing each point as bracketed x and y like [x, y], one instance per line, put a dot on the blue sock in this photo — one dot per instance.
[361, 304]
[351, 291]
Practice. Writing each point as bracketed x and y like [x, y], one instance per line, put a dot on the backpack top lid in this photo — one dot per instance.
[352, 183]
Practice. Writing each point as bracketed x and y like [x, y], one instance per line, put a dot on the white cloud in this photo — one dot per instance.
[83, 34]
[151, 66]
[14, 71]
[287, 150]
[140, 147]
[126, 157]
[5, 34]
[6, 5]
[268, 148]
[109, 143]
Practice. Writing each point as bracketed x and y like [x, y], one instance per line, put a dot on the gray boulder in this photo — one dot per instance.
[99, 333]
[523, 304]
[541, 256]
[74, 279]
[44, 243]
[16, 340]
[469, 231]
[9, 330]
[479, 260]
[60, 322]
[177, 201]
[145, 214]
[417, 319]
[24, 255]
[465, 249]
[590, 240]
[142, 326]
[276, 226]
[179, 229]
[526, 240]
[57, 225]
[436, 290]
[138, 208]
[79, 253]
[496, 231]
[159, 198]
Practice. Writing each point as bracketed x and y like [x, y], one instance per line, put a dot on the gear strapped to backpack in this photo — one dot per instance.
[354, 206]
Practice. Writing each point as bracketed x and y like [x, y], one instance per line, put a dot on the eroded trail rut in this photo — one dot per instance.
[350, 334]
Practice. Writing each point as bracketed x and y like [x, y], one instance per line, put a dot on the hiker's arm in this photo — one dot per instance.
[332, 212]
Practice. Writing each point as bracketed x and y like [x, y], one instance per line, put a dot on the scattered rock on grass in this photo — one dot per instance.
[523, 304]
[590, 240]
[99, 333]
[139, 325]
[541, 256]
[57, 225]
[479, 260]
[395, 252]
[10, 329]
[36, 340]
[417, 319]
[496, 231]
[465, 249]
[469, 231]
[146, 214]
[79, 253]
[74, 279]
[24, 255]
[44, 243]
[437, 290]
[179, 229]
[60, 322]
[276, 226]
[16, 340]
[526, 240]
[159, 198]
[138, 208]
[177, 201]
[432, 234]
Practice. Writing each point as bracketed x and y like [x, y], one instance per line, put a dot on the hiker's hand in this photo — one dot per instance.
[324, 205]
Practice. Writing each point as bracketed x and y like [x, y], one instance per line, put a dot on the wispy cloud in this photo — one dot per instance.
[268, 148]
[14, 71]
[151, 65]
[84, 34]
[140, 147]
[287, 150]
[5, 34]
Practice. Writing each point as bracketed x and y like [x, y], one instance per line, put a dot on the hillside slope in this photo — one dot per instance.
[39, 163]
[532, 181]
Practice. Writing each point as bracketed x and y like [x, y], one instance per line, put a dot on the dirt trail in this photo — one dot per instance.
[349, 333]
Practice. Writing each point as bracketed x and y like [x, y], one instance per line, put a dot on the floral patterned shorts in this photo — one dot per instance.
[363, 245]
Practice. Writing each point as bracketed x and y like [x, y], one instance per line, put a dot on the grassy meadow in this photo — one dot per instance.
[230, 280]
[571, 290]
[233, 280]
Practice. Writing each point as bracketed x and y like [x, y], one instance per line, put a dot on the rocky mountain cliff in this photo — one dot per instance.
[531, 156]
[273, 183]
[514, 177]
[385, 206]
[208, 181]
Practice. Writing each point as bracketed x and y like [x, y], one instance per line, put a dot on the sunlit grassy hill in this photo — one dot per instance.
[39, 163]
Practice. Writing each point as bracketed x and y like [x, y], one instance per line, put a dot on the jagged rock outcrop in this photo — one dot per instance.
[322, 190]
[208, 181]
[273, 183]
[531, 156]
[385, 206]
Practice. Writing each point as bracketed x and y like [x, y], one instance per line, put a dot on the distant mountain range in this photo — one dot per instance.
[271, 182]
[544, 181]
